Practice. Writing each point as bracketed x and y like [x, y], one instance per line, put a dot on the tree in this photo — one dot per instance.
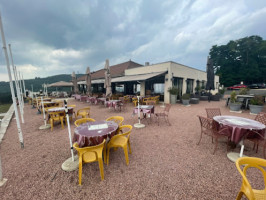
[240, 60]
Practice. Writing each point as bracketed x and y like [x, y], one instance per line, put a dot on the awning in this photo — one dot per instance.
[61, 84]
[97, 81]
[137, 77]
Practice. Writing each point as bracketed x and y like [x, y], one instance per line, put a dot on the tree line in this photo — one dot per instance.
[240, 60]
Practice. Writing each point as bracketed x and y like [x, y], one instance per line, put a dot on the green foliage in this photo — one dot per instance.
[257, 100]
[173, 90]
[243, 91]
[221, 91]
[4, 107]
[233, 97]
[186, 96]
[198, 88]
[240, 60]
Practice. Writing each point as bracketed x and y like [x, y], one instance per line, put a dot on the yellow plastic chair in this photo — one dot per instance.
[56, 116]
[145, 100]
[88, 155]
[84, 112]
[83, 120]
[117, 119]
[120, 140]
[246, 189]
[135, 101]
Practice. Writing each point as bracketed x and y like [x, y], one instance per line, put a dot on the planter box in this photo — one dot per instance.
[194, 100]
[235, 106]
[204, 98]
[173, 99]
[185, 102]
[255, 109]
[215, 98]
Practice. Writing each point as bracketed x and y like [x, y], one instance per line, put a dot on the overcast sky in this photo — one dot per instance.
[51, 37]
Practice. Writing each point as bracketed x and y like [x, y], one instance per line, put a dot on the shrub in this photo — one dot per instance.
[173, 90]
[233, 97]
[186, 96]
[257, 100]
[243, 91]
[221, 91]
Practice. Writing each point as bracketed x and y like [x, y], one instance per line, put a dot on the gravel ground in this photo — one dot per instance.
[165, 162]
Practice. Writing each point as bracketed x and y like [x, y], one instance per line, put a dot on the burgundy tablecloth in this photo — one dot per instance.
[85, 137]
[83, 98]
[101, 100]
[92, 100]
[239, 126]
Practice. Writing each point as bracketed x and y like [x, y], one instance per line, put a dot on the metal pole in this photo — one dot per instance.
[11, 85]
[17, 86]
[20, 83]
[24, 86]
[69, 131]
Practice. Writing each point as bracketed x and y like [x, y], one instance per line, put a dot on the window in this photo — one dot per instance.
[158, 88]
[119, 88]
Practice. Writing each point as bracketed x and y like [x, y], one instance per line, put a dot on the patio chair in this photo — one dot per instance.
[163, 114]
[151, 102]
[117, 119]
[258, 138]
[246, 189]
[145, 100]
[83, 120]
[84, 112]
[120, 140]
[156, 98]
[121, 105]
[209, 127]
[73, 106]
[88, 155]
[135, 101]
[56, 116]
[212, 112]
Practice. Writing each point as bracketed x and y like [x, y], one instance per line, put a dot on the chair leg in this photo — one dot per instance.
[52, 124]
[107, 156]
[200, 138]
[62, 123]
[100, 161]
[126, 154]
[80, 172]
[239, 196]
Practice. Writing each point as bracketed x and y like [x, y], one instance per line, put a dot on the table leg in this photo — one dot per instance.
[233, 156]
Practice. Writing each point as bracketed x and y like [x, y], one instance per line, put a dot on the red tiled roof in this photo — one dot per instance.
[115, 70]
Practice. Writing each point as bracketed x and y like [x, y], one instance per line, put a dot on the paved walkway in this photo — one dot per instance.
[5, 122]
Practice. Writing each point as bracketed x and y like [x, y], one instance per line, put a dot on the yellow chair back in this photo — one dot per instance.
[88, 155]
[83, 120]
[246, 189]
[117, 119]
[84, 112]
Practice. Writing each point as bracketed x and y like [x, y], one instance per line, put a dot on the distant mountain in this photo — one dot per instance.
[37, 84]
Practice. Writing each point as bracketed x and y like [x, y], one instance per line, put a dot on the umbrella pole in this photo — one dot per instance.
[2, 180]
[139, 125]
[71, 163]
[45, 126]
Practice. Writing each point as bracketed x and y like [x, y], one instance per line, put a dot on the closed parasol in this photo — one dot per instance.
[107, 81]
[88, 81]
[75, 83]
[210, 76]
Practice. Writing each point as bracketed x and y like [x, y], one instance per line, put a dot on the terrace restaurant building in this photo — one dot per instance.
[154, 79]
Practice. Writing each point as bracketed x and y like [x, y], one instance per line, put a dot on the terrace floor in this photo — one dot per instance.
[165, 162]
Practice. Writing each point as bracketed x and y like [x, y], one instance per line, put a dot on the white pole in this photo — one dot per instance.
[24, 86]
[17, 86]
[11, 85]
[69, 131]
[138, 110]
[32, 92]
[43, 112]
[20, 83]
[2, 180]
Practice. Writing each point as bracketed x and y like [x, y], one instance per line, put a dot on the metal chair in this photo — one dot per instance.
[209, 127]
[212, 112]
[164, 114]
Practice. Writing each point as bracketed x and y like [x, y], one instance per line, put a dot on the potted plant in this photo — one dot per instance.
[256, 104]
[243, 91]
[185, 99]
[173, 94]
[234, 105]
[221, 92]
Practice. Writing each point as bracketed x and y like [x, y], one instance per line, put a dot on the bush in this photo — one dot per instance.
[257, 100]
[173, 90]
[186, 96]
[243, 91]
[221, 91]
[233, 97]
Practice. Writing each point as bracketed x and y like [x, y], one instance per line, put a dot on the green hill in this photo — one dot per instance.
[5, 94]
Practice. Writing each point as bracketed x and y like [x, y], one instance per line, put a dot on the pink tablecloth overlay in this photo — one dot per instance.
[85, 137]
[144, 109]
[112, 103]
[239, 126]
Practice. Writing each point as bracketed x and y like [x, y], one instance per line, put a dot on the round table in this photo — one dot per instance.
[239, 127]
[93, 133]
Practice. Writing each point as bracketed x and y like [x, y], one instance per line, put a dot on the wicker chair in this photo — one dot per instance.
[209, 127]
[164, 114]
[212, 112]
